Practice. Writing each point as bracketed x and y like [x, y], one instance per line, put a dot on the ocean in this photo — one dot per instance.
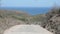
[29, 10]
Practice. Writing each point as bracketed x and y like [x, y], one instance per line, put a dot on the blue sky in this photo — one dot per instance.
[29, 3]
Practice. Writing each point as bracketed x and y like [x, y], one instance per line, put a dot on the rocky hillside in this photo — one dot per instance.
[49, 21]
[53, 21]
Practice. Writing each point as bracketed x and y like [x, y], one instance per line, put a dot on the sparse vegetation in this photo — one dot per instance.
[50, 20]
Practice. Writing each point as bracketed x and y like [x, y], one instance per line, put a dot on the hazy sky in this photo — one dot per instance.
[29, 3]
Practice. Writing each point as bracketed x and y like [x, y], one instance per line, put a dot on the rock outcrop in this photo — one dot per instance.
[53, 21]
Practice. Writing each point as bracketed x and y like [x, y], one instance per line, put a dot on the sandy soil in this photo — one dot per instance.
[27, 29]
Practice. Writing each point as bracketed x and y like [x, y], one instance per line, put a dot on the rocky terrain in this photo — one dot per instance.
[49, 21]
[52, 23]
